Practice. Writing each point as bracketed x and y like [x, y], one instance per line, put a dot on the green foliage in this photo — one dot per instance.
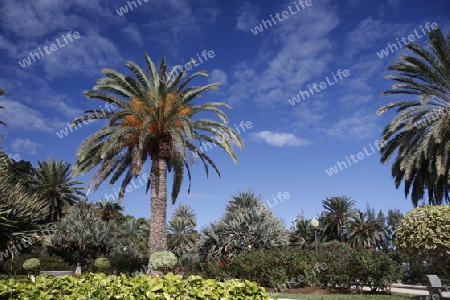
[349, 267]
[82, 233]
[418, 132]
[247, 225]
[101, 286]
[102, 263]
[47, 262]
[424, 233]
[162, 261]
[336, 265]
[31, 264]
[53, 182]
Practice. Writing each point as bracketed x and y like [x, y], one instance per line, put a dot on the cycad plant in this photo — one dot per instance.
[157, 120]
[420, 131]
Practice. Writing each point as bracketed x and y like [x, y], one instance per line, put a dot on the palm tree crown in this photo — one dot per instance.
[54, 183]
[154, 121]
[420, 130]
[338, 210]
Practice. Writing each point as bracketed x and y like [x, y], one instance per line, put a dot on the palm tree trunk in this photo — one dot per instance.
[158, 233]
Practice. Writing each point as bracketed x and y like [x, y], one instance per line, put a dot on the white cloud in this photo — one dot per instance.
[280, 139]
[247, 17]
[132, 32]
[20, 116]
[218, 75]
[24, 145]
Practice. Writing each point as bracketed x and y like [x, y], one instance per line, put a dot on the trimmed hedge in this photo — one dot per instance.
[336, 265]
[101, 286]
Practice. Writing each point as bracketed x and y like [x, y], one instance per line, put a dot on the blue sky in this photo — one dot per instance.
[328, 49]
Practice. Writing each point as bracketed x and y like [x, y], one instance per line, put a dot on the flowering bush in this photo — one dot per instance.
[162, 261]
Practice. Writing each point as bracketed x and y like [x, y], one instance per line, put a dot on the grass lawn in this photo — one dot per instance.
[345, 297]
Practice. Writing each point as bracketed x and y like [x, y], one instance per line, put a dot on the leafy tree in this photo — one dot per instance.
[82, 234]
[336, 215]
[154, 121]
[424, 233]
[366, 233]
[419, 131]
[182, 235]
[303, 233]
[246, 226]
[54, 183]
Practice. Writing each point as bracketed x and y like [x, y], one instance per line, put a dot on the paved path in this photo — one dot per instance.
[399, 289]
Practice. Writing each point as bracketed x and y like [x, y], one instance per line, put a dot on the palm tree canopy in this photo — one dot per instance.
[54, 183]
[366, 232]
[337, 212]
[154, 120]
[420, 130]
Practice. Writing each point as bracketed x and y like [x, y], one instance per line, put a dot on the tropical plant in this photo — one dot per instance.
[22, 171]
[108, 210]
[82, 234]
[154, 121]
[21, 214]
[247, 225]
[302, 231]
[182, 236]
[54, 184]
[131, 238]
[336, 216]
[366, 233]
[421, 139]
[424, 234]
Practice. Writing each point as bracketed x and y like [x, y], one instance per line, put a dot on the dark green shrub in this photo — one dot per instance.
[122, 263]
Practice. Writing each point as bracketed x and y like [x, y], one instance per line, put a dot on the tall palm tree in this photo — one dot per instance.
[420, 130]
[154, 121]
[54, 183]
[365, 232]
[337, 212]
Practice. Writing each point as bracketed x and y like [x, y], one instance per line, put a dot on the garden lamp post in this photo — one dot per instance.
[315, 225]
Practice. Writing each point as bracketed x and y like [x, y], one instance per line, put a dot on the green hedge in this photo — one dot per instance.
[336, 265]
[101, 286]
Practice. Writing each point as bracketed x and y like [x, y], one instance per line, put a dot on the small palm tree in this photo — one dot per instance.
[54, 183]
[338, 211]
[155, 122]
[420, 130]
[182, 236]
[366, 233]
[108, 210]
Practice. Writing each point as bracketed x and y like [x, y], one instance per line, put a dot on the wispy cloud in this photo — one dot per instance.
[24, 145]
[280, 139]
